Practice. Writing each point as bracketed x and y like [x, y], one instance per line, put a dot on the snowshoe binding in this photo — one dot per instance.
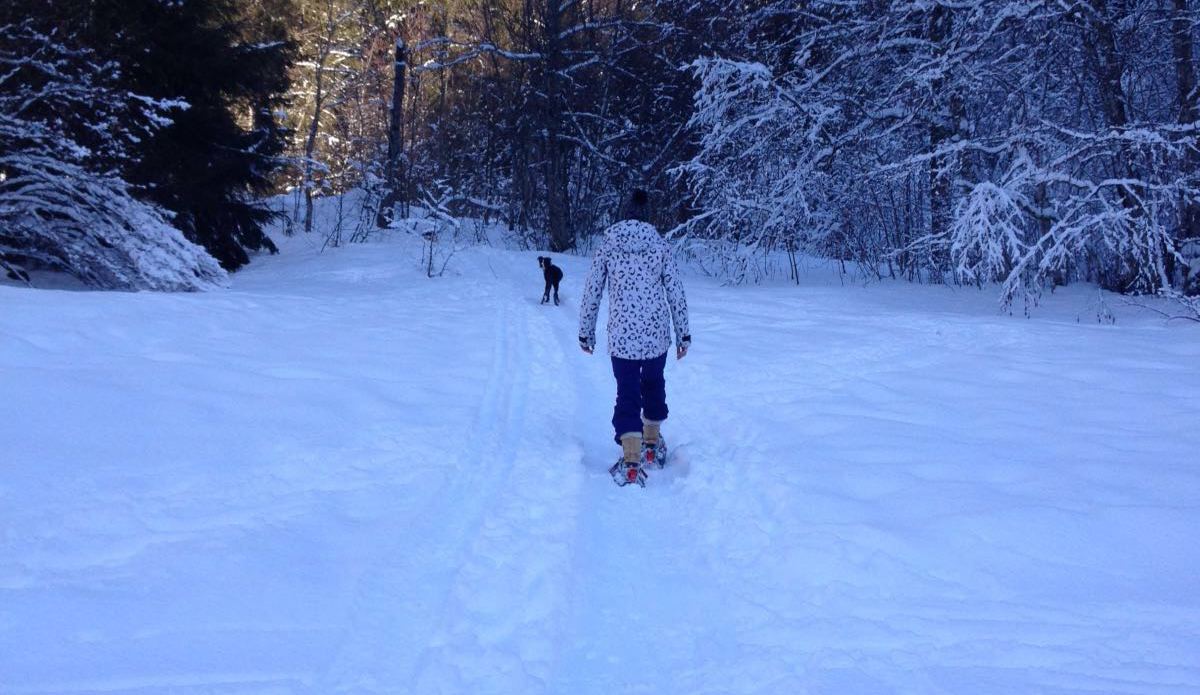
[624, 473]
[655, 455]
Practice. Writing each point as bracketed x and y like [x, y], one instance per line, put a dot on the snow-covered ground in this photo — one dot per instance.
[340, 476]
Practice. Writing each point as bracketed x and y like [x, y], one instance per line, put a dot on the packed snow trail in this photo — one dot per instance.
[343, 477]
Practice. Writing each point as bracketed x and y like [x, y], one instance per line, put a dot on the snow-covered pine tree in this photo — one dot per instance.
[64, 127]
[228, 59]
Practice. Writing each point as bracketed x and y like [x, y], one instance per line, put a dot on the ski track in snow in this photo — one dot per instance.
[341, 477]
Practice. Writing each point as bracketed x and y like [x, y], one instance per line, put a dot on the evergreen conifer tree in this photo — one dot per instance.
[228, 60]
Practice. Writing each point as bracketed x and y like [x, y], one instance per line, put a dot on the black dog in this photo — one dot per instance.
[553, 275]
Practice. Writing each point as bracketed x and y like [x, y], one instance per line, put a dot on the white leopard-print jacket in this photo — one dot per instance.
[644, 294]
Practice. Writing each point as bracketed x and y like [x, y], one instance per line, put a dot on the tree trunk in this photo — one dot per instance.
[947, 110]
[1103, 59]
[314, 125]
[1185, 78]
[557, 212]
[395, 163]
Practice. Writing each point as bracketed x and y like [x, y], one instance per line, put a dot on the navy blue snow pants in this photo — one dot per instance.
[641, 390]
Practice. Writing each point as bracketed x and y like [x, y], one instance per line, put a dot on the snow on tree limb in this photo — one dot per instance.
[61, 206]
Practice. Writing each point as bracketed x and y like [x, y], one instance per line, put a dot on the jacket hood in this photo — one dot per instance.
[633, 236]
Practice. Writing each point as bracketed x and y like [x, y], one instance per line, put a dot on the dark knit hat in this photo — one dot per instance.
[638, 205]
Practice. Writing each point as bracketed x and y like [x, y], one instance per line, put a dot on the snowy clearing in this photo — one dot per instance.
[342, 477]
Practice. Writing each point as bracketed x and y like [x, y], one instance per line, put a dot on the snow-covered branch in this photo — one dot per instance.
[62, 207]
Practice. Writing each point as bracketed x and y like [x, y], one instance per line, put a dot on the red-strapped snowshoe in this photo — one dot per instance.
[627, 473]
[655, 455]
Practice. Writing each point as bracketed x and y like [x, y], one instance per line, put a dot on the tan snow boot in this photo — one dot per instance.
[631, 447]
[650, 431]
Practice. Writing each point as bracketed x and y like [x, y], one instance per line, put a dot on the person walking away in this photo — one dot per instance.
[645, 297]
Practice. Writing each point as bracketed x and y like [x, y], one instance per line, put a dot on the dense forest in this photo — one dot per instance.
[1027, 143]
